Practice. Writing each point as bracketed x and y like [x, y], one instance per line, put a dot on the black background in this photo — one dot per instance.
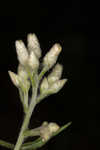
[75, 25]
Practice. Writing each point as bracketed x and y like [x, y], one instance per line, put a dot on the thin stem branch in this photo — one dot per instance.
[6, 144]
[23, 99]
[31, 133]
[27, 118]
[42, 73]
[26, 100]
[41, 97]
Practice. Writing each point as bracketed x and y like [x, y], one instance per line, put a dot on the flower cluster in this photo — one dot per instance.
[29, 76]
[34, 86]
[28, 58]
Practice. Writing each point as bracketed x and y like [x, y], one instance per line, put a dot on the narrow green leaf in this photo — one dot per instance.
[62, 128]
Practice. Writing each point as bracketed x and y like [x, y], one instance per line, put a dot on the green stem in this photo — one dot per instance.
[41, 97]
[27, 119]
[32, 132]
[42, 73]
[26, 100]
[6, 144]
[32, 145]
[23, 99]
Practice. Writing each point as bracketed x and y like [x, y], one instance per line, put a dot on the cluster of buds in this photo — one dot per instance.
[52, 84]
[28, 58]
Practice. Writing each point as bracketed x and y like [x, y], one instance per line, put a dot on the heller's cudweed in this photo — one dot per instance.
[28, 77]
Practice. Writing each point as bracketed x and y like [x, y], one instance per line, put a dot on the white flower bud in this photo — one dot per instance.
[14, 78]
[45, 123]
[51, 57]
[33, 44]
[46, 131]
[33, 61]
[21, 72]
[23, 76]
[55, 74]
[44, 85]
[22, 52]
[57, 86]
[19, 81]
[53, 127]
[45, 134]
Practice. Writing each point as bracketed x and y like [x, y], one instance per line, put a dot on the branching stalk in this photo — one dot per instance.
[27, 119]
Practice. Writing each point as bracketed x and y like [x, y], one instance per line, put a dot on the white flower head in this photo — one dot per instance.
[53, 127]
[33, 61]
[46, 131]
[33, 44]
[22, 52]
[21, 72]
[14, 78]
[44, 85]
[55, 74]
[51, 57]
[57, 86]
[19, 81]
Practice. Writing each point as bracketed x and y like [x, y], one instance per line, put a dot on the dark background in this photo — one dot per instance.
[75, 25]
